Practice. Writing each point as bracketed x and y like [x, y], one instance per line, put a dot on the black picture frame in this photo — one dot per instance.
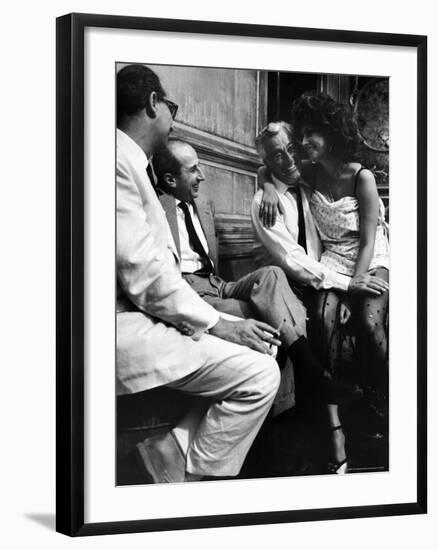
[70, 272]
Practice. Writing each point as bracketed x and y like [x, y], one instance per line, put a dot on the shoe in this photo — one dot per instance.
[163, 458]
[337, 467]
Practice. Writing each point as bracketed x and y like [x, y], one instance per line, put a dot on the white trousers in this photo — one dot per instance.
[241, 382]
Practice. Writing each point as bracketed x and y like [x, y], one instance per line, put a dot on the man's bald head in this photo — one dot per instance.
[178, 171]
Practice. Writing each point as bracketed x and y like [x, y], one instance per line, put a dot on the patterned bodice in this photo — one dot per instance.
[338, 225]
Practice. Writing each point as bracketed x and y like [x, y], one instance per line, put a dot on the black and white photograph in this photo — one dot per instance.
[252, 266]
[236, 206]
[219, 249]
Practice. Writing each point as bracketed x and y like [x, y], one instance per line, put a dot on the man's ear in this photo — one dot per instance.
[151, 105]
[169, 180]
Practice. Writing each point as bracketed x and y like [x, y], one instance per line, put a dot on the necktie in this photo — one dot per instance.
[153, 179]
[301, 225]
[195, 243]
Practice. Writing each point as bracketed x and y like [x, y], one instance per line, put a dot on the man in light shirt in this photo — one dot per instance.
[292, 241]
[166, 334]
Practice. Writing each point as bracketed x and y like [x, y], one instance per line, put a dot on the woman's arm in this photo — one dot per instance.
[269, 204]
[366, 192]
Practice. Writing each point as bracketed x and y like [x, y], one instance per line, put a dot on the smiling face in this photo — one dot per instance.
[185, 185]
[281, 158]
[315, 144]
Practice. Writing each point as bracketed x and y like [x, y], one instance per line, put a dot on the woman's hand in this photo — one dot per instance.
[367, 283]
[344, 313]
[269, 205]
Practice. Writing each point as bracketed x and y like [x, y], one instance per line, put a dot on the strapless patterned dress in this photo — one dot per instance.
[338, 226]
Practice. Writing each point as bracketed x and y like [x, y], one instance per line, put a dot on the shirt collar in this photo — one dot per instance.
[178, 202]
[282, 187]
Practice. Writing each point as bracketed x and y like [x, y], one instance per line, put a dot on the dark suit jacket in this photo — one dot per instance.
[205, 211]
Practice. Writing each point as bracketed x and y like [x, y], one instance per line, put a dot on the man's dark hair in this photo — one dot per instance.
[165, 162]
[135, 83]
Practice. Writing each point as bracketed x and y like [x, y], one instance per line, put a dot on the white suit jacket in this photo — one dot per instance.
[148, 274]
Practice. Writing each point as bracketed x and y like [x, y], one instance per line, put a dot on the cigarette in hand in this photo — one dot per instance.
[277, 332]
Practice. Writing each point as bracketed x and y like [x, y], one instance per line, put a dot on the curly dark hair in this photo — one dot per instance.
[333, 120]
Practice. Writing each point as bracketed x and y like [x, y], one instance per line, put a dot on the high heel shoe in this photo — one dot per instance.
[337, 467]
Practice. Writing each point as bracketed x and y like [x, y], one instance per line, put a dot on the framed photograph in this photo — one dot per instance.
[347, 114]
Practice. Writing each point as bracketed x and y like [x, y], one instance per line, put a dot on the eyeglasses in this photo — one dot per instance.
[278, 156]
[173, 107]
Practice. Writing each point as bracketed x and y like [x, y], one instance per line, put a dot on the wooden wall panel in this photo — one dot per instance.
[220, 101]
[244, 189]
[230, 191]
[218, 187]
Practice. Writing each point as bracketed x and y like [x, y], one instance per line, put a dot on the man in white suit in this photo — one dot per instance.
[166, 334]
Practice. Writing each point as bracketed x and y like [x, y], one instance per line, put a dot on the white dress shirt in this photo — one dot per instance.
[278, 245]
[190, 260]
